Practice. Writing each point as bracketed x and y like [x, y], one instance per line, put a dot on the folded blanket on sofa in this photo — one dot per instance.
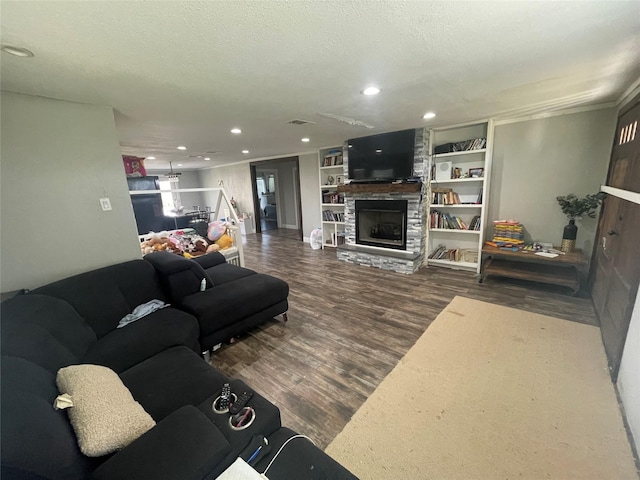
[142, 311]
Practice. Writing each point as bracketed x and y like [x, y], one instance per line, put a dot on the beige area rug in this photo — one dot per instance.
[490, 392]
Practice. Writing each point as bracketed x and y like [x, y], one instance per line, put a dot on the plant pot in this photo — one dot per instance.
[569, 237]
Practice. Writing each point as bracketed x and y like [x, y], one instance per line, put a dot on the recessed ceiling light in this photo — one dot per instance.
[378, 151]
[17, 51]
[305, 139]
[245, 151]
[207, 158]
[428, 115]
[179, 164]
[151, 158]
[181, 147]
[371, 91]
[236, 130]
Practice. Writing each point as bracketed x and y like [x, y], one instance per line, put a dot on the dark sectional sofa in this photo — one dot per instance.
[235, 299]
[158, 359]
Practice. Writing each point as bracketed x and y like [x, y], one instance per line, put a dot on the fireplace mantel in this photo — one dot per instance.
[380, 188]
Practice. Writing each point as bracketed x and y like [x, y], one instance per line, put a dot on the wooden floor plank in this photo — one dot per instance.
[349, 326]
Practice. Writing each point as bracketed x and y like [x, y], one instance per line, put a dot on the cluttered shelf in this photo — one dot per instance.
[546, 265]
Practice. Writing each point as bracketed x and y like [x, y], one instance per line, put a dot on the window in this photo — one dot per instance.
[170, 200]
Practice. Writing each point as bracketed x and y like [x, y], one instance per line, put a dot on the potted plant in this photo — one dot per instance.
[575, 207]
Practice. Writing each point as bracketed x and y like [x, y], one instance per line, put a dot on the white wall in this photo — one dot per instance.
[310, 193]
[236, 180]
[535, 161]
[629, 374]
[58, 159]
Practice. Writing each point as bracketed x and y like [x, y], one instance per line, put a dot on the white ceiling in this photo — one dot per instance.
[186, 72]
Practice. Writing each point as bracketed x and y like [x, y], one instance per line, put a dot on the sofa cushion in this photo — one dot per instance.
[179, 276]
[162, 385]
[226, 272]
[45, 330]
[227, 303]
[37, 440]
[102, 297]
[183, 446]
[104, 415]
[210, 260]
[124, 347]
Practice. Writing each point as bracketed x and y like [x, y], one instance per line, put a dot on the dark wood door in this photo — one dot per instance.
[616, 261]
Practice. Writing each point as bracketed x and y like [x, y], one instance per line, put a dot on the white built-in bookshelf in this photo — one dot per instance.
[458, 193]
[332, 172]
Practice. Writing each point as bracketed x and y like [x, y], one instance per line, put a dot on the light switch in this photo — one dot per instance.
[105, 203]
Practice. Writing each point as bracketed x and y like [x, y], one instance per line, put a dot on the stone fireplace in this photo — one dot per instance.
[381, 223]
[385, 224]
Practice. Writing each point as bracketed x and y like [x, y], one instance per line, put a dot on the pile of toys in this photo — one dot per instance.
[188, 242]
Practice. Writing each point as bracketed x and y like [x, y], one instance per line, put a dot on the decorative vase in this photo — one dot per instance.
[569, 237]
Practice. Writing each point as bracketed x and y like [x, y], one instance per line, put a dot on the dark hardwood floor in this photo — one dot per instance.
[282, 232]
[350, 325]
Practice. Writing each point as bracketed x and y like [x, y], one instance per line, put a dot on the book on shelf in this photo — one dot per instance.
[338, 238]
[332, 159]
[331, 216]
[444, 220]
[454, 254]
[444, 196]
[336, 198]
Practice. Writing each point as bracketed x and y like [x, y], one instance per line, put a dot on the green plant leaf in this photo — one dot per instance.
[575, 207]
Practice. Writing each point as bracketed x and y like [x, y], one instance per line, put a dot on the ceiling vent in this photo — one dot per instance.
[299, 121]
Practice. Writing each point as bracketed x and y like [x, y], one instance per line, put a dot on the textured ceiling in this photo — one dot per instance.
[186, 72]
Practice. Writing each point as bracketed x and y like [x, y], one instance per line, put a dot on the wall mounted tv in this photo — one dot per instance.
[383, 157]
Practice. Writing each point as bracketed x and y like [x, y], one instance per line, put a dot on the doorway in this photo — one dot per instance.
[276, 197]
[267, 191]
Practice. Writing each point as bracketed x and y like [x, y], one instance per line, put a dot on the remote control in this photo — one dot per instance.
[225, 397]
[239, 404]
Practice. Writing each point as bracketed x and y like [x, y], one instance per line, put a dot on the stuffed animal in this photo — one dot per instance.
[225, 241]
[157, 243]
[215, 230]
[213, 248]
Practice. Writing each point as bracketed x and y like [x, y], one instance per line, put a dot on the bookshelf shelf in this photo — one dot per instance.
[330, 164]
[454, 230]
[459, 180]
[455, 265]
[435, 206]
[461, 193]
[458, 154]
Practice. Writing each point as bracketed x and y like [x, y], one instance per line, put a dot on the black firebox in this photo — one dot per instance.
[382, 223]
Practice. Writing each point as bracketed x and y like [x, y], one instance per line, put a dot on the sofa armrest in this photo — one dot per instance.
[179, 276]
[183, 446]
[210, 260]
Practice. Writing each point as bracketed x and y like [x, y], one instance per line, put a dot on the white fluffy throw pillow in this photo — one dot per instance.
[105, 416]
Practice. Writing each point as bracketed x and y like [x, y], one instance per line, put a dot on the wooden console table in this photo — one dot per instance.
[565, 270]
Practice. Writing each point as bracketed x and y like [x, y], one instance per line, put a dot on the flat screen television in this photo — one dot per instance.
[383, 157]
